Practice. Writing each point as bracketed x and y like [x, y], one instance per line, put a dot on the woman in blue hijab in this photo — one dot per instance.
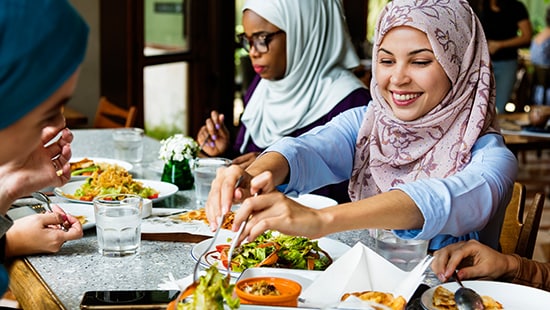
[42, 43]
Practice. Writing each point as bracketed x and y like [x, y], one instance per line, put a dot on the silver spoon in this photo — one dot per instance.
[45, 199]
[466, 298]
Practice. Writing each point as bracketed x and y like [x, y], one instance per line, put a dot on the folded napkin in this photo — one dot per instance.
[361, 269]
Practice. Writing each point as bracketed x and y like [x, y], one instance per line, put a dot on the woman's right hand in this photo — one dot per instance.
[214, 135]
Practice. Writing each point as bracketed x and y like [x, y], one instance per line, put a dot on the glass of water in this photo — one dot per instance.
[118, 224]
[128, 144]
[204, 172]
[404, 253]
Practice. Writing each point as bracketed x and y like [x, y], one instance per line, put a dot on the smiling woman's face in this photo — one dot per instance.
[21, 138]
[410, 78]
[272, 64]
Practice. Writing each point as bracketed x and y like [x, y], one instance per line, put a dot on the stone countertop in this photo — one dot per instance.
[78, 267]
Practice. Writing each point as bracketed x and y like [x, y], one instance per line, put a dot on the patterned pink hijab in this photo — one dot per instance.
[389, 151]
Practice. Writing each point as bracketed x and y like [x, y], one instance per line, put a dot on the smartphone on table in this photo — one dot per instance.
[128, 299]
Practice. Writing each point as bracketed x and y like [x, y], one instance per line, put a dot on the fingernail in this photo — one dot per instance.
[214, 137]
[441, 277]
[64, 217]
[217, 126]
[212, 144]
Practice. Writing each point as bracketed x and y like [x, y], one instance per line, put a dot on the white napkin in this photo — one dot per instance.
[362, 269]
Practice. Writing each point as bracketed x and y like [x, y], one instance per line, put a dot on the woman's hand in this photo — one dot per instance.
[41, 233]
[474, 260]
[214, 135]
[48, 165]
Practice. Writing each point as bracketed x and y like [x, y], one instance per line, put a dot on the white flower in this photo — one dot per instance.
[178, 147]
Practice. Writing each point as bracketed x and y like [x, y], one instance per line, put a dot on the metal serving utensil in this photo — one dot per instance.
[466, 298]
[189, 289]
[44, 198]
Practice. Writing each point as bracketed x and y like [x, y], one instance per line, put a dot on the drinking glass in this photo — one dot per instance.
[204, 172]
[118, 224]
[128, 144]
[404, 253]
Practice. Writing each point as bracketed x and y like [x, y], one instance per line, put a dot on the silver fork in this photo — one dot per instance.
[44, 198]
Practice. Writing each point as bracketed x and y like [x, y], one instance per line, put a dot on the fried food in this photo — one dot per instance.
[200, 215]
[445, 299]
[382, 298]
[81, 218]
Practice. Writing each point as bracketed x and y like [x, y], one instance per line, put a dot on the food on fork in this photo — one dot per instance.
[200, 215]
[381, 298]
[113, 180]
[445, 299]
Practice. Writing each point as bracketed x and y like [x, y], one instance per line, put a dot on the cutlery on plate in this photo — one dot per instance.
[466, 298]
[42, 197]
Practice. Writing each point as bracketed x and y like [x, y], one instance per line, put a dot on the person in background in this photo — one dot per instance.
[42, 43]
[424, 158]
[540, 55]
[303, 63]
[474, 260]
[507, 28]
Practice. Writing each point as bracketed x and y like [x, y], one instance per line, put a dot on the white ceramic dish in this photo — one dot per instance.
[315, 201]
[124, 164]
[165, 189]
[333, 247]
[511, 296]
[75, 209]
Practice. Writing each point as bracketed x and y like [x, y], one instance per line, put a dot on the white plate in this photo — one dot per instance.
[165, 189]
[511, 296]
[333, 247]
[75, 209]
[124, 164]
[315, 201]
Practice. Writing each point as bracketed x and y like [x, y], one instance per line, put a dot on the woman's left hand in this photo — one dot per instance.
[41, 233]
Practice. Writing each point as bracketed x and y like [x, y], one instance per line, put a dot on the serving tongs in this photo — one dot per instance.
[191, 288]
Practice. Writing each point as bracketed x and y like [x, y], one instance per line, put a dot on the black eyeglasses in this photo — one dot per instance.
[260, 41]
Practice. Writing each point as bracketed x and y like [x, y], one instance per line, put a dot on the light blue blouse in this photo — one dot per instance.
[469, 204]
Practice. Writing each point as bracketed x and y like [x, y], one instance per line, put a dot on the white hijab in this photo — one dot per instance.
[319, 54]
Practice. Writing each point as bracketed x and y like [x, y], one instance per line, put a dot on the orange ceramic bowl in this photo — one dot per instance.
[289, 292]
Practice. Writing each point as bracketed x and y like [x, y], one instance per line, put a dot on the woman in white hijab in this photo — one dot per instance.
[302, 55]
[425, 158]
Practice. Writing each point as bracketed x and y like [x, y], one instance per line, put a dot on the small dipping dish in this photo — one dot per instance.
[289, 291]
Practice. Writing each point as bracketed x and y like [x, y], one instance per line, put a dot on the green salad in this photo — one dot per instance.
[273, 249]
[212, 291]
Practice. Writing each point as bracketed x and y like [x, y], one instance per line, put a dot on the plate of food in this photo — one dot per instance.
[84, 213]
[82, 192]
[84, 167]
[319, 253]
[499, 295]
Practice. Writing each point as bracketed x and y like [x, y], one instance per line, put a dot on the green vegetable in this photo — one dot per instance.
[83, 170]
[211, 292]
[293, 252]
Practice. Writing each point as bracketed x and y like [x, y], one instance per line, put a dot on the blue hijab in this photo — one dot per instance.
[42, 43]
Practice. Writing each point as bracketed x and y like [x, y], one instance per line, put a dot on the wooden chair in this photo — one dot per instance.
[521, 223]
[109, 115]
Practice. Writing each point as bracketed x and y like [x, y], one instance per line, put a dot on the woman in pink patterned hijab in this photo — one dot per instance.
[392, 150]
[425, 158]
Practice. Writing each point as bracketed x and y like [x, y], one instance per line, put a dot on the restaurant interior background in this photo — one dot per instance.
[176, 68]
